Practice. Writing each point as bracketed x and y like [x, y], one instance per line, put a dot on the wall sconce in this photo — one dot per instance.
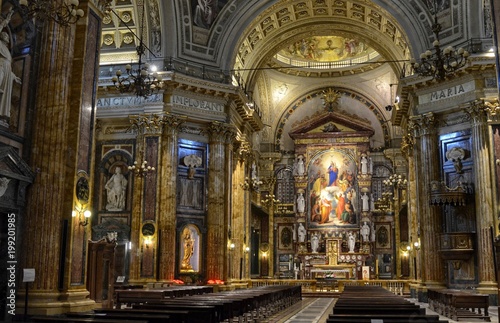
[247, 249]
[264, 254]
[231, 246]
[83, 215]
[416, 245]
[405, 248]
[148, 241]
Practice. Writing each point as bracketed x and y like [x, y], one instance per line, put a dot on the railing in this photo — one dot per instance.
[326, 65]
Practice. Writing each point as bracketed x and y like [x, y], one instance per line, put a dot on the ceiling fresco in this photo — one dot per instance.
[325, 49]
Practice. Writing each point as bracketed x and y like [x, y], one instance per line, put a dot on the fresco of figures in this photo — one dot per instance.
[333, 190]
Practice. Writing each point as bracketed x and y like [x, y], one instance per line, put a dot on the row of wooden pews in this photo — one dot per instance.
[134, 296]
[459, 304]
[243, 305]
[360, 304]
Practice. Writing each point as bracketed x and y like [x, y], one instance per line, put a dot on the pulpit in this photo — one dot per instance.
[101, 276]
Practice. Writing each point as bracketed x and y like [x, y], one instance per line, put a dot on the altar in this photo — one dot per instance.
[344, 271]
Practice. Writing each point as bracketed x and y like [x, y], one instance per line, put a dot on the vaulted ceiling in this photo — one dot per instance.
[286, 53]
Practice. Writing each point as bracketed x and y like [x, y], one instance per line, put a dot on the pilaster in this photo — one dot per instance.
[217, 217]
[427, 170]
[484, 195]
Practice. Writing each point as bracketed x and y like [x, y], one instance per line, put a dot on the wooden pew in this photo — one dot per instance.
[459, 304]
[241, 304]
[358, 304]
[151, 318]
[139, 296]
[78, 320]
[387, 318]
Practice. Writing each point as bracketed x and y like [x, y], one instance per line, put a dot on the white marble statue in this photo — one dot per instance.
[314, 243]
[351, 241]
[116, 187]
[364, 165]
[301, 232]
[300, 166]
[301, 203]
[366, 202]
[365, 232]
[7, 77]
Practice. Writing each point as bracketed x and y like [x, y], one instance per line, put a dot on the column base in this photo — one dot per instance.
[54, 303]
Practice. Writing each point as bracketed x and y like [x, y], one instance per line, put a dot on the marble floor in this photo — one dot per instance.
[312, 310]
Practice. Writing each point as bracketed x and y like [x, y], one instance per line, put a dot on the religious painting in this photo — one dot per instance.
[383, 236]
[333, 190]
[189, 244]
[285, 237]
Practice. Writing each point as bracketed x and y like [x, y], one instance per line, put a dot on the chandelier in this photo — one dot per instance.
[63, 12]
[397, 181]
[144, 81]
[141, 170]
[443, 62]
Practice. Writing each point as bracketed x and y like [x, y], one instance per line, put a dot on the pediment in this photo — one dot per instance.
[331, 124]
[13, 166]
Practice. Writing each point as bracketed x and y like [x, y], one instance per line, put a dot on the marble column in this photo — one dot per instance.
[53, 240]
[167, 195]
[483, 184]
[239, 217]
[427, 170]
[217, 218]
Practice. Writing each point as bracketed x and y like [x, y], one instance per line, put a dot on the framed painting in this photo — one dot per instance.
[285, 237]
[383, 236]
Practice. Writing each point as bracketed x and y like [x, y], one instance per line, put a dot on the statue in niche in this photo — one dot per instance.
[364, 165]
[300, 166]
[351, 241]
[365, 232]
[116, 187]
[301, 203]
[314, 243]
[301, 231]
[7, 77]
[188, 242]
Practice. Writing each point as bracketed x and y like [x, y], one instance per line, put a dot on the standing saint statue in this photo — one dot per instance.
[116, 187]
[188, 250]
[7, 77]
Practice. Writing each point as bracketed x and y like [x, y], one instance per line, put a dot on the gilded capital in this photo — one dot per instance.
[146, 123]
[478, 111]
[221, 132]
[244, 151]
[423, 124]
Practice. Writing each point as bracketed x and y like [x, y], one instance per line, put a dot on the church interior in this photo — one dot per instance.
[230, 143]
